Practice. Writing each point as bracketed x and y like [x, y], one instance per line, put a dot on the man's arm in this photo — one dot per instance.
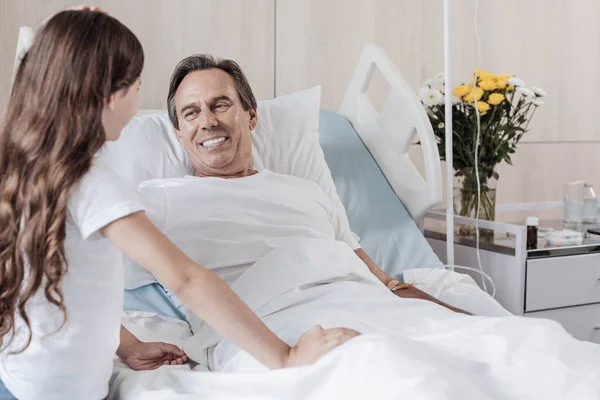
[127, 341]
[409, 293]
[374, 268]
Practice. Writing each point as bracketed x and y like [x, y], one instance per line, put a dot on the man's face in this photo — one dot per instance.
[214, 128]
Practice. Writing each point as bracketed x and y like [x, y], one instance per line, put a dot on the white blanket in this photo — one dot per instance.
[409, 349]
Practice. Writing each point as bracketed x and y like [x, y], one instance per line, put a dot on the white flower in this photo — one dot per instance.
[537, 102]
[439, 86]
[427, 83]
[439, 77]
[422, 92]
[516, 82]
[539, 92]
[441, 125]
[431, 97]
[442, 99]
[525, 92]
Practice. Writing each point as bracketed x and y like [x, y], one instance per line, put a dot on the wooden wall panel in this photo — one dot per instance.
[551, 44]
[539, 171]
[169, 31]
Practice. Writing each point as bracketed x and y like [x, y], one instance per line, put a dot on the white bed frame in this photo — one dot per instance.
[388, 134]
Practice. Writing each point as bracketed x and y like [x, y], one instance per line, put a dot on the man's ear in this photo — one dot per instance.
[177, 134]
[253, 119]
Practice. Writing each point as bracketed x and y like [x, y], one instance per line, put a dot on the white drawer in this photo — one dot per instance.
[562, 281]
[582, 322]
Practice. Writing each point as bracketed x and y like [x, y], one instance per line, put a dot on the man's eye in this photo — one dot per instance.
[221, 106]
[189, 114]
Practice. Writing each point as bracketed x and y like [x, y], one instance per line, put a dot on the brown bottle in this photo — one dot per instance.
[532, 232]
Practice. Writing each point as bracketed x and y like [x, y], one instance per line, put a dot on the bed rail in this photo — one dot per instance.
[389, 134]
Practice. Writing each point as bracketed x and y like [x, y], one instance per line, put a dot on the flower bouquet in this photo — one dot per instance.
[504, 108]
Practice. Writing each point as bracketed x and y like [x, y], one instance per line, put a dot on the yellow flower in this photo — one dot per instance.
[460, 91]
[487, 84]
[471, 95]
[495, 99]
[501, 82]
[483, 75]
[483, 107]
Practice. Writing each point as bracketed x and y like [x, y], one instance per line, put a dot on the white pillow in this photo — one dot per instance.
[287, 129]
[286, 140]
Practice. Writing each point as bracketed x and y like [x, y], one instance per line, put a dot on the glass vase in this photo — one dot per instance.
[465, 203]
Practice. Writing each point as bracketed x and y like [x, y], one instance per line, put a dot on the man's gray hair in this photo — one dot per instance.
[200, 62]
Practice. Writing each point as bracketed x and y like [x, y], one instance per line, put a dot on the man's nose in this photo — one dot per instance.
[208, 120]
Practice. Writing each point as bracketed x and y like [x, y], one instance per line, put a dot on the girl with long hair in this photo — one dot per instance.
[66, 218]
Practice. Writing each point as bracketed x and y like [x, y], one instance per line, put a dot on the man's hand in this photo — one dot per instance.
[151, 355]
[140, 355]
[409, 293]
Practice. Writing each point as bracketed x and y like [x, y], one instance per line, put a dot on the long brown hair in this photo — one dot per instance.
[50, 133]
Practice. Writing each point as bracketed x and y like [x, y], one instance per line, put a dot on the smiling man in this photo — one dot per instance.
[213, 110]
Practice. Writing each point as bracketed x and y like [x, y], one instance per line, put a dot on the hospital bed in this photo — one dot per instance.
[382, 191]
[384, 194]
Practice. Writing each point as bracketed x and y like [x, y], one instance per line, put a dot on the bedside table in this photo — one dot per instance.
[558, 283]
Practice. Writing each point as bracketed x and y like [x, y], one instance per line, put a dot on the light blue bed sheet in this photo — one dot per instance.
[388, 234]
[5, 394]
[151, 298]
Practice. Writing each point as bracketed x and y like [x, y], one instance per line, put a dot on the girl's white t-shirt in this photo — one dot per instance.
[75, 361]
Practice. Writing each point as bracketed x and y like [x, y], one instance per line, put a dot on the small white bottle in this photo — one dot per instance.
[590, 202]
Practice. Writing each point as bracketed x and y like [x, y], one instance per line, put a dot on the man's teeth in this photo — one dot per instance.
[213, 142]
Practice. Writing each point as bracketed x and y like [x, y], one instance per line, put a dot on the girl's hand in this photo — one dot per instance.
[315, 343]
